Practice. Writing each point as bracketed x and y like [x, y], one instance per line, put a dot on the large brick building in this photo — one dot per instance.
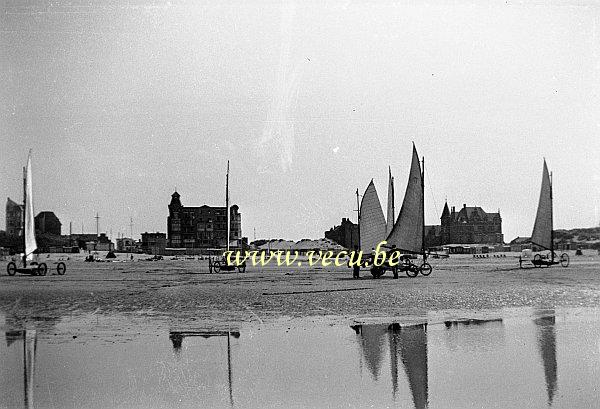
[346, 234]
[470, 225]
[202, 227]
[14, 218]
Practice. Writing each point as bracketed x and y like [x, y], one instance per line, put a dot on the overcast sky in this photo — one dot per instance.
[123, 104]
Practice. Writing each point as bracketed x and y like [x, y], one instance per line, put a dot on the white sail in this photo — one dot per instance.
[413, 352]
[407, 234]
[372, 221]
[542, 229]
[390, 205]
[29, 231]
[29, 366]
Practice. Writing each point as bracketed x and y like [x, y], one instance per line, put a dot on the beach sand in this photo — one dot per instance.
[152, 296]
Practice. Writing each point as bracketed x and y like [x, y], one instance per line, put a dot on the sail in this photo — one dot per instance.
[393, 338]
[30, 244]
[29, 366]
[547, 345]
[390, 205]
[413, 352]
[372, 345]
[372, 222]
[542, 229]
[407, 234]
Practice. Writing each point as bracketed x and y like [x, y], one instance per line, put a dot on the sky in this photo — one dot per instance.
[124, 102]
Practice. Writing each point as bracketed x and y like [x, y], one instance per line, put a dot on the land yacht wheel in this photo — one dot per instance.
[425, 268]
[537, 260]
[216, 266]
[377, 271]
[412, 270]
[242, 268]
[61, 268]
[11, 269]
[42, 269]
[564, 260]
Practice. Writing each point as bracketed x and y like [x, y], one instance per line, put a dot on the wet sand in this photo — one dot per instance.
[162, 334]
[154, 295]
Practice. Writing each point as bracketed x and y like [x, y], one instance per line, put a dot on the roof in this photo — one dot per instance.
[521, 240]
[11, 203]
[304, 244]
[471, 212]
[319, 244]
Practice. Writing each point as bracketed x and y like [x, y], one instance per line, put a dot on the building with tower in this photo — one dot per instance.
[469, 225]
[202, 227]
[14, 218]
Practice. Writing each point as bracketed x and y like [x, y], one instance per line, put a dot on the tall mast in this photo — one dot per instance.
[227, 206]
[358, 216]
[551, 222]
[23, 214]
[393, 201]
[423, 209]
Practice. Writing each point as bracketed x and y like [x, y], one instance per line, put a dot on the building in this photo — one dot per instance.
[202, 227]
[47, 223]
[346, 234]
[81, 240]
[14, 218]
[520, 243]
[471, 225]
[154, 243]
[433, 236]
[102, 243]
[125, 244]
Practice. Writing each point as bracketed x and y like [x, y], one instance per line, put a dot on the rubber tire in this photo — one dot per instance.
[42, 269]
[216, 267]
[537, 260]
[242, 268]
[425, 269]
[412, 270]
[61, 268]
[11, 269]
[564, 260]
[377, 272]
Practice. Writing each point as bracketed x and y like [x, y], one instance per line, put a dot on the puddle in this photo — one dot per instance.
[538, 358]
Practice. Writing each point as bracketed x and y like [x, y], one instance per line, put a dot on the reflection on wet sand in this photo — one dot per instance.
[177, 337]
[474, 334]
[29, 338]
[408, 341]
[546, 338]
[470, 321]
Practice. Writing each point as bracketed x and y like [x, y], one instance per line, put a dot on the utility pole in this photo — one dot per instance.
[131, 238]
[357, 218]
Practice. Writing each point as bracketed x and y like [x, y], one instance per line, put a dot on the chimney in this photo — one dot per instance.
[464, 205]
[453, 209]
